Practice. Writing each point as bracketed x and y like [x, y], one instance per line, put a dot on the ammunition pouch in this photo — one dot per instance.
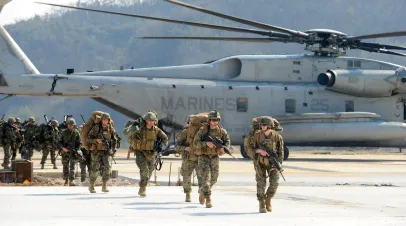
[263, 160]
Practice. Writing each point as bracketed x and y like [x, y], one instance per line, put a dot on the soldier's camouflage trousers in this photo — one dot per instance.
[46, 149]
[145, 163]
[7, 155]
[14, 149]
[69, 163]
[29, 148]
[206, 166]
[85, 163]
[98, 158]
[186, 171]
[260, 176]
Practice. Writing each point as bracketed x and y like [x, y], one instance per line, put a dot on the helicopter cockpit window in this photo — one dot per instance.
[290, 106]
[349, 106]
[242, 104]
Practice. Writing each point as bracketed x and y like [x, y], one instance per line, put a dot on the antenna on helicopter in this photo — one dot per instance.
[324, 42]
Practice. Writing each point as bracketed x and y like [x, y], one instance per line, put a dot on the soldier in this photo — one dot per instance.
[85, 162]
[30, 139]
[19, 139]
[143, 142]
[9, 140]
[261, 162]
[51, 137]
[189, 161]
[99, 154]
[70, 143]
[208, 155]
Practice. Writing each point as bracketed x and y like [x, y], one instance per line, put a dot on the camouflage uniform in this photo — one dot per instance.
[9, 140]
[143, 142]
[189, 162]
[19, 140]
[208, 158]
[29, 138]
[85, 162]
[99, 154]
[69, 139]
[263, 167]
[51, 137]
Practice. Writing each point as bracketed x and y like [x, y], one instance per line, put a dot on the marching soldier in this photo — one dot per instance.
[99, 154]
[70, 144]
[208, 155]
[9, 141]
[29, 137]
[51, 137]
[262, 165]
[189, 161]
[143, 142]
[19, 139]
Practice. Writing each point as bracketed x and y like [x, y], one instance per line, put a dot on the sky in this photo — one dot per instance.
[22, 9]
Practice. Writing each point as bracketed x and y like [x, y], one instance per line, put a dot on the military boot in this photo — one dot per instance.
[55, 166]
[188, 199]
[91, 187]
[142, 192]
[201, 197]
[268, 203]
[71, 183]
[208, 202]
[66, 182]
[82, 179]
[42, 166]
[262, 208]
[104, 187]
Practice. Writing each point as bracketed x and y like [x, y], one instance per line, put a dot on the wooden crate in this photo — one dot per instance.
[23, 169]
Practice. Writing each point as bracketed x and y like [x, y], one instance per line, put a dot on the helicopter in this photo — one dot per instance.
[321, 99]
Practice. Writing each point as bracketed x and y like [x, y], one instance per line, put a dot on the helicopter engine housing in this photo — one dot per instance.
[362, 83]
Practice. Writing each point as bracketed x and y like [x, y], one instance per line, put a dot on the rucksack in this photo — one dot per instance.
[94, 119]
[195, 123]
[40, 131]
[255, 124]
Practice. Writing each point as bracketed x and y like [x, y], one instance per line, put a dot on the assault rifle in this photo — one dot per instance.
[219, 144]
[73, 151]
[273, 158]
[158, 162]
[108, 146]
[2, 118]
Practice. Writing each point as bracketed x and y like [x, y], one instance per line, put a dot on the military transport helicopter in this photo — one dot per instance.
[323, 99]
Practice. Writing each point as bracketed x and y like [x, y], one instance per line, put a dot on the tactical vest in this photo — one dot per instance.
[217, 132]
[269, 140]
[106, 132]
[30, 132]
[144, 140]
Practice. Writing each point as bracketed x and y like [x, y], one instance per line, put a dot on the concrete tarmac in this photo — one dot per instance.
[342, 188]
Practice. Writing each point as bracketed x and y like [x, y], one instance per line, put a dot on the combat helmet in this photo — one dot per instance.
[150, 116]
[31, 119]
[71, 121]
[11, 120]
[54, 123]
[105, 115]
[214, 115]
[18, 120]
[266, 121]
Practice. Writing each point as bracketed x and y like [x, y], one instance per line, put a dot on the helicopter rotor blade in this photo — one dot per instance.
[379, 35]
[241, 20]
[384, 51]
[217, 27]
[237, 39]
[380, 46]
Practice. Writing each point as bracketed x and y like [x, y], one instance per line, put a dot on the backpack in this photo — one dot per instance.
[133, 126]
[40, 131]
[195, 123]
[94, 119]
[255, 124]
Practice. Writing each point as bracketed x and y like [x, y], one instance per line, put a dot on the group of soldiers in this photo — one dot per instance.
[198, 153]
[201, 155]
[52, 139]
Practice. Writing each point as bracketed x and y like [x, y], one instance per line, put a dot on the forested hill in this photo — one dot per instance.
[94, 41]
